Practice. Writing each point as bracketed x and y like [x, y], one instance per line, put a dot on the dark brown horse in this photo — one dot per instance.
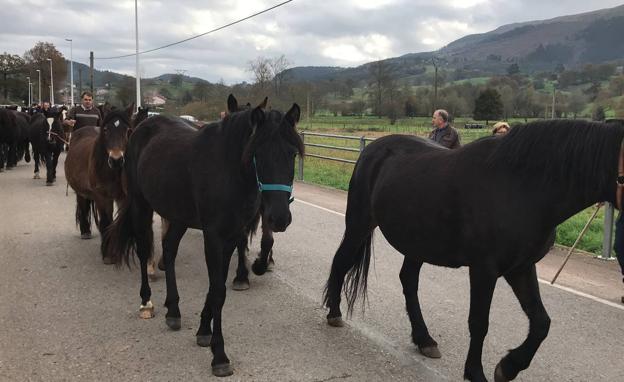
[93, 168]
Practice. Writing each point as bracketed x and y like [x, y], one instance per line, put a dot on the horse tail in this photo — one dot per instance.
[357, 277]
[356, 248]
[132, 227]
[119, 240]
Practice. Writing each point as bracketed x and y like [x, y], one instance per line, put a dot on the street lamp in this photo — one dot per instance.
[71, 69]
[51, 83]
[39, 71]
[29, 103]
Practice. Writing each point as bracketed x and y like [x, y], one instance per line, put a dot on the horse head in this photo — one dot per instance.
[52, 126]
[271, 151]
[114, 134]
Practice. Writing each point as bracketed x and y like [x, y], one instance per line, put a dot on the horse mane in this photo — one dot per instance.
[574, 152]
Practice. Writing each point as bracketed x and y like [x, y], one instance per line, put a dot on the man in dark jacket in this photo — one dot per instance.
[619, 244]
[443, 133]
[83, 115]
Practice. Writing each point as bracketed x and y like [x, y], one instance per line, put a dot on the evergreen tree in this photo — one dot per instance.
[488, 106]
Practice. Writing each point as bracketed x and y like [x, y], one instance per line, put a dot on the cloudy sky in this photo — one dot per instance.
[307, 32]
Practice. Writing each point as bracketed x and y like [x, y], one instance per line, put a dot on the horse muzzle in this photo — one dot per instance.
[116, 159]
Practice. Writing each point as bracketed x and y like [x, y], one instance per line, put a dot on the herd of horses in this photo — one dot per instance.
[491, 205]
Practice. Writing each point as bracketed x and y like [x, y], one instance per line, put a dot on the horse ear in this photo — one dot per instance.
[130, 110]
[232, 104]
[292, 116]
[257, 114]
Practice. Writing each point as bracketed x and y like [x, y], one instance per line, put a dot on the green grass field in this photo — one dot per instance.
[337, 174]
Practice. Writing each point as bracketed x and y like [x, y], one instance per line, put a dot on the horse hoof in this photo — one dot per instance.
[336, 322]
[86, 236]
[174, 323]
[146, 311]
[258, 269]
[49, 183]
[108, 260]
[240, 285]
[203, 341]
[222, 370]
[161, 264]
[430, 351]
[36, 176]
[498, 374]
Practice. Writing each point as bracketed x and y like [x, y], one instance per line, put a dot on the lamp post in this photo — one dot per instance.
[71, 69]
[39, 71]
[51, 83]
[28, 78]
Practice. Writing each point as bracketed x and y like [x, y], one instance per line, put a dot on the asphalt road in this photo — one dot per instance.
[67, 317]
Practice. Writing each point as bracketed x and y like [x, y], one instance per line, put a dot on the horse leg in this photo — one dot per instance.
[36, 159]
[105, 218]
[164, 227]
[261, 264]
[241, 281]
[142, 216]
[409, 275]
[57, 153]
[49, 167]
[83, 216]
[2, 156]
[170, 244]
[482, 284]
[215, 261]
[525, 287]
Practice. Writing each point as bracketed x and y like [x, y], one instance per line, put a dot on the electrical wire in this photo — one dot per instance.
[197, 36]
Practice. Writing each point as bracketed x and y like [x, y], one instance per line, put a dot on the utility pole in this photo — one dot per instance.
[91, 72]
[308, 110]
[552, 116]
[79, 80]
[136, 34]
[435, 83]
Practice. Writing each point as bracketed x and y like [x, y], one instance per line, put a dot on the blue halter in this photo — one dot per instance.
[272, 187]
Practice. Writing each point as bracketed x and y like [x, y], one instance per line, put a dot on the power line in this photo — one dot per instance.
[199, 35]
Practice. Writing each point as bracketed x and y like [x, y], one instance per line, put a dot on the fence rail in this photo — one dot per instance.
[363, 140]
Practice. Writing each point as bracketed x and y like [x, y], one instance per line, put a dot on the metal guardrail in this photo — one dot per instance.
[303, 134]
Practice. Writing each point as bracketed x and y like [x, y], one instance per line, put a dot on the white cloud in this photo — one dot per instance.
[337, 32]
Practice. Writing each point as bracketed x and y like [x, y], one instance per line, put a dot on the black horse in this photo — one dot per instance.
[491, 205]
[210, 180]
[47, 139]
[13, 138]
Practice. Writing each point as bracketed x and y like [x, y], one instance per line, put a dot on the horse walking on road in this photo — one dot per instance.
[47, 140]
[491, 205]
[93, 168]
[210, 180]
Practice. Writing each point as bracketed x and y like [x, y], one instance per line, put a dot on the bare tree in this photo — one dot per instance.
[278, 67]
[37, 58]
[262, 71]
[10, 65]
